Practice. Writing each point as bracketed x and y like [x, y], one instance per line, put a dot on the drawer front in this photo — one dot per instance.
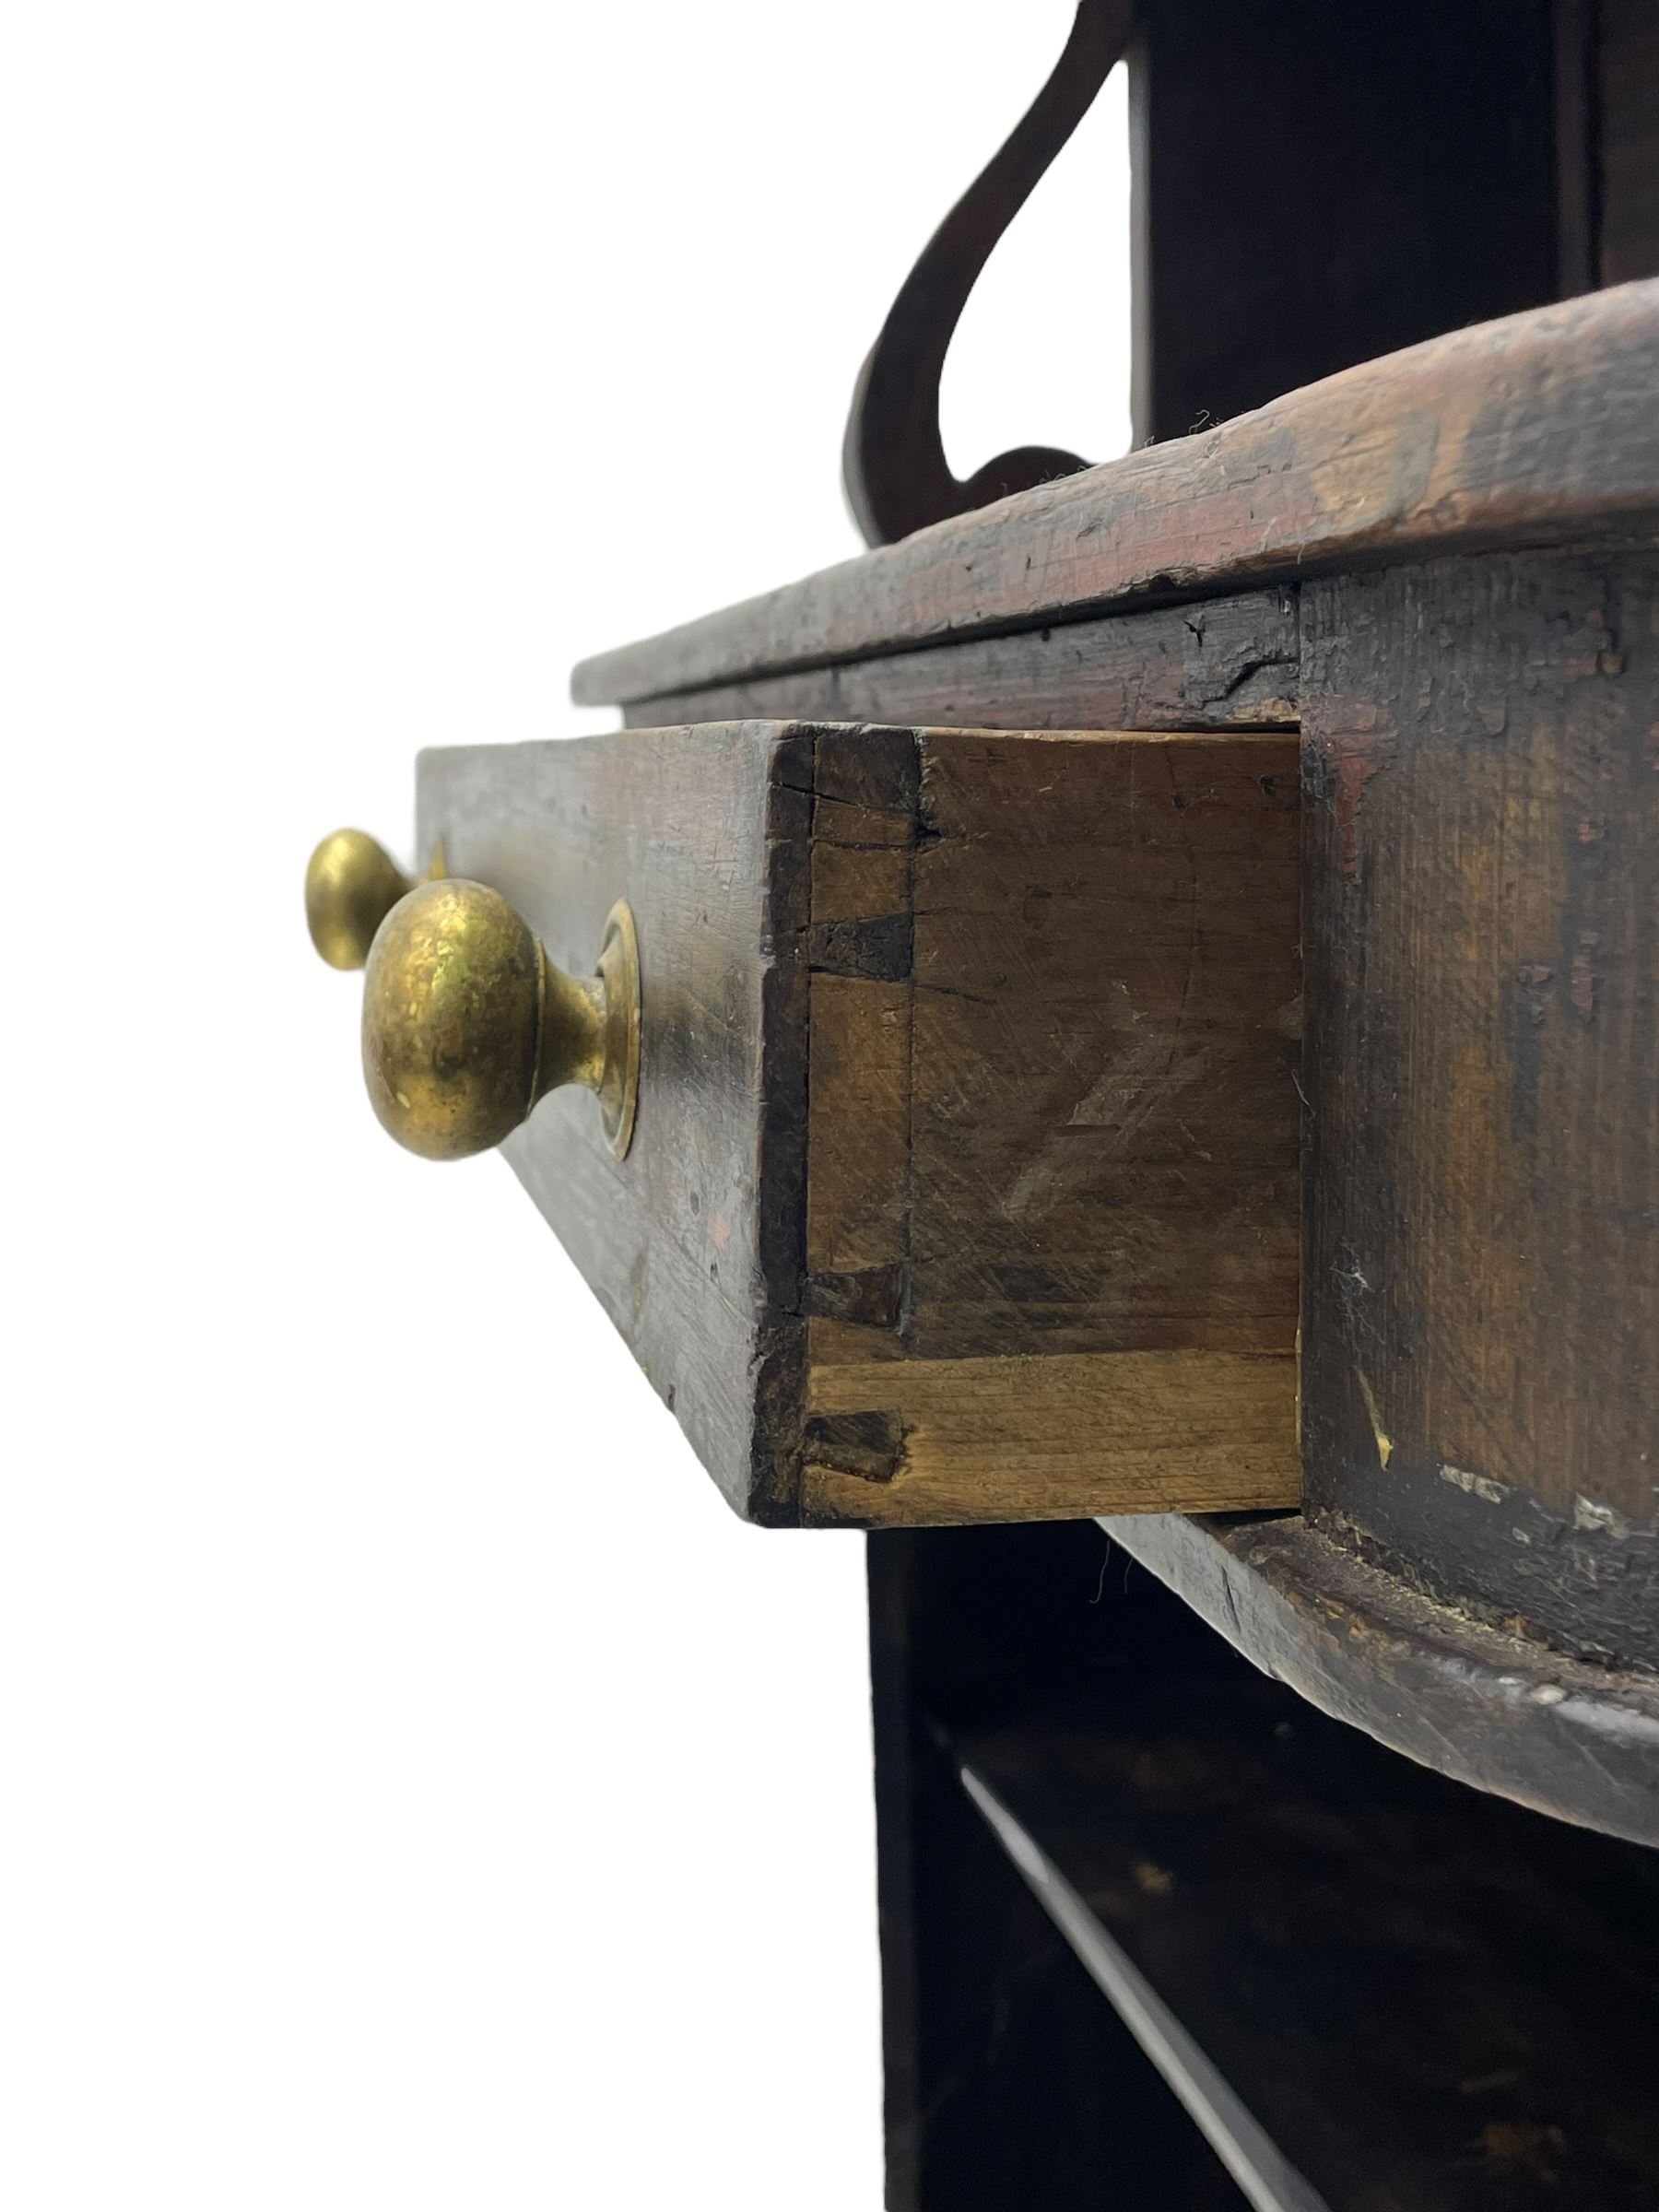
[963, 1183]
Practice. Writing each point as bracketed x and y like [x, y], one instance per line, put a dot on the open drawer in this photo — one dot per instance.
[962, 1178]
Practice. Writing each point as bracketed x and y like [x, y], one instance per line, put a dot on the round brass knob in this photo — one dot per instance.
[351, 885]
[466, 1022]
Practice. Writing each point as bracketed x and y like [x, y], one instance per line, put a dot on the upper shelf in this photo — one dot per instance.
[1539, 428]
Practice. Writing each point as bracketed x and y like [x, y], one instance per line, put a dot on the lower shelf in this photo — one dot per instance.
[1374, 1989]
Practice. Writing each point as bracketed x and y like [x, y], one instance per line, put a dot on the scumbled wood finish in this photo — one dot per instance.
[1535, 430]
[1223, 663]
[963, 1184]
[1480, 1342]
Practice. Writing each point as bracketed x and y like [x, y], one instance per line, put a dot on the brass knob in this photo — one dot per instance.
[351, 885]
[466, 1022]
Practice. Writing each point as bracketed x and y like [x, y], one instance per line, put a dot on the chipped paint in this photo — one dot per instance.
[1385, 1444]
[1476, 1486]
[1493, 714]
[1606, 1520]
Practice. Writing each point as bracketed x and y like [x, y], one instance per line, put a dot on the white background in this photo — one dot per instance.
[416, 1790]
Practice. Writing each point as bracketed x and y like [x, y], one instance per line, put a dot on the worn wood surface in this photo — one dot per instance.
[918, 1443]
[1480, 1329]
[1405, 121]
[963, 1184]
[1221, 663]
[1538, 429]
[1498, 1710]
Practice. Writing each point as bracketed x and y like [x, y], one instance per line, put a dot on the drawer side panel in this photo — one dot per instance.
[705, 833]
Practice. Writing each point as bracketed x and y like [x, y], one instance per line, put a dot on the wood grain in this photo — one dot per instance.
[920, 1441]
[1053, 1127]
[1106, 1033]
[1225, 664]
[1481, 1300]
[1533, 430]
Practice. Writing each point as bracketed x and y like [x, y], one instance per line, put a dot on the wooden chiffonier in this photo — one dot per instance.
[1136, 1003]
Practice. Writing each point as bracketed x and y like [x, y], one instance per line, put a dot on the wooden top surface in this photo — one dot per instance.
[1540, 428]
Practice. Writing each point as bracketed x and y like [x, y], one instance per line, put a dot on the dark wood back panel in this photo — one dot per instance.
[1317, 185]
[1627, 125]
